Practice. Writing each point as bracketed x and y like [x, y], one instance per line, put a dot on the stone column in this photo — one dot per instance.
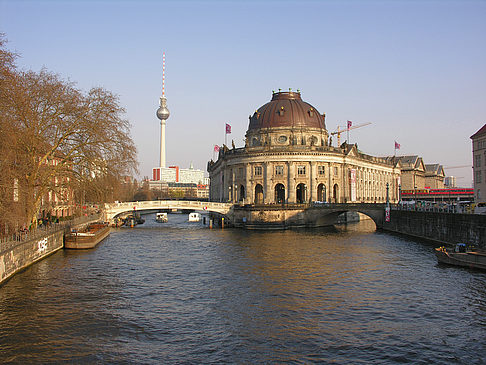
[248, 189]
[234, 189]
[291, 182]
[268, 194]
[312, 181]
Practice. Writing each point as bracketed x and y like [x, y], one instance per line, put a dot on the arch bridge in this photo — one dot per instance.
[258, 215]
[115, 209]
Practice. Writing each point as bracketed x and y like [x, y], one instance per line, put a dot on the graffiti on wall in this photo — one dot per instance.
[42, 245]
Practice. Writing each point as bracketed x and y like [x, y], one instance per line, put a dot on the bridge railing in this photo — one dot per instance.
[188, 204]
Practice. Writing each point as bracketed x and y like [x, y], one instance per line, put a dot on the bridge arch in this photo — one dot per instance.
[328, 214]
[115, 209]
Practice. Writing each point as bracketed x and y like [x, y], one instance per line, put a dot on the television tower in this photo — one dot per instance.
[163, 114]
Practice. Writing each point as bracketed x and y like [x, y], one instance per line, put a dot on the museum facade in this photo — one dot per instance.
[288, 158]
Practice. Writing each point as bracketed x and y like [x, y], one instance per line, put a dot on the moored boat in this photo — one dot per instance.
[87, 238]
[161, 217]
[460, 256]
[194, 217]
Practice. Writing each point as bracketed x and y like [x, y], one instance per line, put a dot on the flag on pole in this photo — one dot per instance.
[216, 148]
[349, 124]
[228, 129]
[397, 145]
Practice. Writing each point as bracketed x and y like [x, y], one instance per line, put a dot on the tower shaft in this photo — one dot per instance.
[162, 143]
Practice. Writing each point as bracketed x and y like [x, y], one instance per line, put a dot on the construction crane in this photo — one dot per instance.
[346, 129]
[455, 167]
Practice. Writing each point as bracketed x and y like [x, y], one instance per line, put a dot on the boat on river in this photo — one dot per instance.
[161, 217]
[88, 237]
[461, 256]
[194, 217]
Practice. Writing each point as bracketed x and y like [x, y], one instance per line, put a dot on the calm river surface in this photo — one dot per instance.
[181, 293]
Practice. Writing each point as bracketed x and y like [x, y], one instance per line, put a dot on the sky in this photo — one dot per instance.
[415, 69]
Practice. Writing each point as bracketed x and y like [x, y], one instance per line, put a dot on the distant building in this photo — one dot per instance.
[413, 172]
[416, 174]
[174, 182]
[450, 182]
[434, 176]
[479, 164]
[174, 174]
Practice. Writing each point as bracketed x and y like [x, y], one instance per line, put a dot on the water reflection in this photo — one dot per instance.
[179, 292]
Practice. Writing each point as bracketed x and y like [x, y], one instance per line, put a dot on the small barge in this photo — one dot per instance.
[460, 256]
[87, 238]
[161, 217]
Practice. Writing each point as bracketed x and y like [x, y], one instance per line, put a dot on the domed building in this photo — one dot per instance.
[287, 159]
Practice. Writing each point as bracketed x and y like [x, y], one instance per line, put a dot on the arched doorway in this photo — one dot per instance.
[321, 193]
[279, 193]
[242, 193]
[301, 193]
[258, 194]
[335, 193]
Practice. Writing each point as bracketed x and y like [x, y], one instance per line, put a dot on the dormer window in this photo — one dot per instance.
[311, 112]
[281, 111]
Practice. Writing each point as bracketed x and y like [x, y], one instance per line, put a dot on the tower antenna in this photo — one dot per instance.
[163, 74]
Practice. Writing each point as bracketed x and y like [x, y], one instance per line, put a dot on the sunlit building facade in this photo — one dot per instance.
[287, 159]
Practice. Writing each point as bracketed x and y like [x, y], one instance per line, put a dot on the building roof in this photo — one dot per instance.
[287, 109]
[480, 132]
[411, 162]
[434, 170]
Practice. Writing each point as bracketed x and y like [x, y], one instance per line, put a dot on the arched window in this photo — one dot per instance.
[258, 194]
[301, 195]
[335, 193]
[279, 194]
[321, 193]
[242, 193]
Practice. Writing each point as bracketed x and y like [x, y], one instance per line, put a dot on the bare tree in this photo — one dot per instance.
[63, 139]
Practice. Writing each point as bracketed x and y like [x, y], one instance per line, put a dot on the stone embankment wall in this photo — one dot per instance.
[444, 228]
[17, 255]
[21, 254]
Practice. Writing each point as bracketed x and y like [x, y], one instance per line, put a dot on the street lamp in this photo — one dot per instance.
[415, 193]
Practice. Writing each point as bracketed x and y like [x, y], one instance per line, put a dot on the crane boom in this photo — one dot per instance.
[455, 167]
[339, 131]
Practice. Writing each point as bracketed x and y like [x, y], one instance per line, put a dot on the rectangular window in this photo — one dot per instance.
[240, 172]
[478, 160]
[335, 171]
[279, 170]
[258, 171]
[301, 170]
[478, 177]
[321, 170]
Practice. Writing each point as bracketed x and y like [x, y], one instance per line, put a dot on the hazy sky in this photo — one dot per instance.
[415, 69]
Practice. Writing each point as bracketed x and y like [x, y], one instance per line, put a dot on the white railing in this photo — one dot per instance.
[113, 209]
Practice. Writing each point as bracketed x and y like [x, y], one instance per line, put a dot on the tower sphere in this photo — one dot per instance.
[163, 113]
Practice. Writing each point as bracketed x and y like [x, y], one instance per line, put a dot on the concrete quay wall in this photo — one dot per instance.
[17, 257]
[444, 228]
[275, 217]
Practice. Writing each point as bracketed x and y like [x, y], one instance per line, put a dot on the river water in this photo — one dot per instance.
[181, 293]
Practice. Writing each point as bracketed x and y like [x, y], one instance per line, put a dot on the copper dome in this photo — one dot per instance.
[286, 109]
